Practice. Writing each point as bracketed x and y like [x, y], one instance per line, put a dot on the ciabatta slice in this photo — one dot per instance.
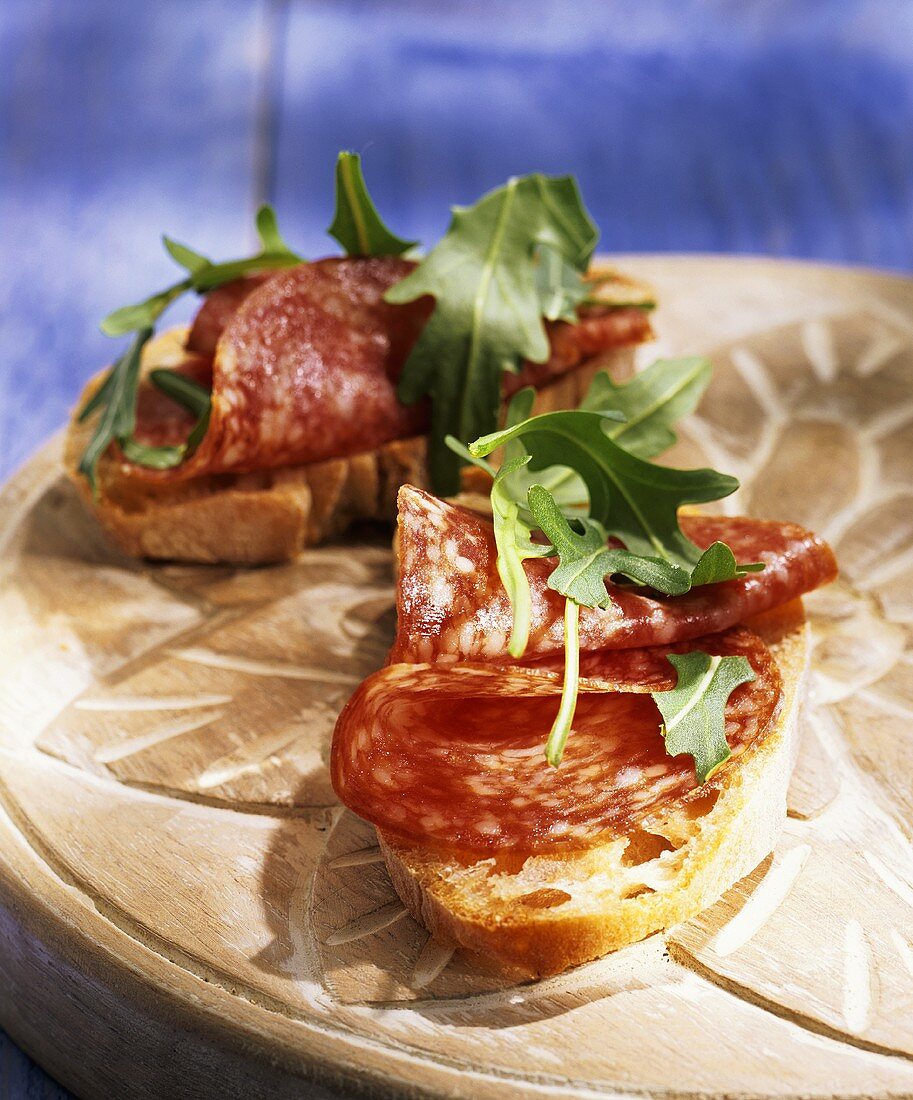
[269, 516]
[547, 912]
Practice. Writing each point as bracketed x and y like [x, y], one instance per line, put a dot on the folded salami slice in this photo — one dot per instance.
[452, 755]
[306, 363]
[453, 606]
[305, 368]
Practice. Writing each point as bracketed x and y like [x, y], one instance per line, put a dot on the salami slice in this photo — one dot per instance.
[453, 606]
[456, 758]
[307, 360]
[600, 329]
[306, 369]
[218, 308]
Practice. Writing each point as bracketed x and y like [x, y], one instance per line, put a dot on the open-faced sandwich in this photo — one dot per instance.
[305, 393]
[586, 725]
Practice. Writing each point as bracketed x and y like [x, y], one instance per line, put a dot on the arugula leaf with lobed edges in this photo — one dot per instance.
[670, 388]
[651, 402]
[694, 711]
[356, 223]
[488, 308]
[584, 559]
[635, 500]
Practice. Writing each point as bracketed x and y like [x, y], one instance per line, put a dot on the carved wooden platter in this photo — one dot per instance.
[184, 910]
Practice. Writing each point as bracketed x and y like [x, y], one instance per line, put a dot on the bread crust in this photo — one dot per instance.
[557, 911]
[270, 516]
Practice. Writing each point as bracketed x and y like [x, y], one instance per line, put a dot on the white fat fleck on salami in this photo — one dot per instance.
[655, 770]
[441, 588]
[446, 610]
[465, 745]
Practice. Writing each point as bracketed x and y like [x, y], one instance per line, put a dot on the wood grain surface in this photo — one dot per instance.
[175, 873]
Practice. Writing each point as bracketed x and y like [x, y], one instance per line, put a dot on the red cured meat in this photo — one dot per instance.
[599, 330]
[307, 360]
[161, 422]
[218, 308]
[306, 370]
[452, 605]
[450, 756]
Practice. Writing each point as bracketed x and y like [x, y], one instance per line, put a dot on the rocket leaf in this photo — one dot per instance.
[117, 400]
[717, 563]
[561, 727]
[584, 559]
[630, 499]
[560, 286]
[513, 537]
[356, 223]
[651, 402]
[488, 311]
[635, 500]
[143, 314]
[184, 256]
[271, 240]
[196, 399]
[562, 482]
[694, 711]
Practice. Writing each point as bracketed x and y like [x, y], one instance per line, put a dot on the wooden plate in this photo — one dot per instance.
[185, 911]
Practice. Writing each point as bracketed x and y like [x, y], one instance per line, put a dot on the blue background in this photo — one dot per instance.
[779, 126]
